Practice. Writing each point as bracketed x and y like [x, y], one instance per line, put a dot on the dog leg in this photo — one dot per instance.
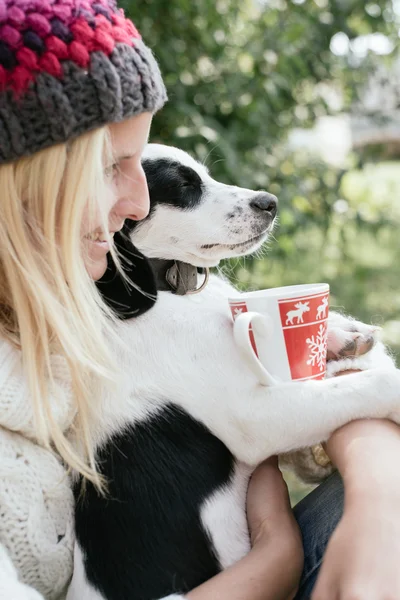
[348, 337]
[297, 415]
[352, 341]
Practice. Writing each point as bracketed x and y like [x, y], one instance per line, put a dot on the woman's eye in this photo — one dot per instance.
[111, 170]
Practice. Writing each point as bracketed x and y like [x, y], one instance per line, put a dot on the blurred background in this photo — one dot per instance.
[301, 98]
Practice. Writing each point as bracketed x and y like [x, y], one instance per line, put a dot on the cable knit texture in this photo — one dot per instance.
[36, 502]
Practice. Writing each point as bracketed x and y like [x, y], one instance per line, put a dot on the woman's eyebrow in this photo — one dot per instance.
[126, 155]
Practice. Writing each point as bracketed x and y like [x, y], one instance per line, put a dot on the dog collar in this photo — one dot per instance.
[177, 277]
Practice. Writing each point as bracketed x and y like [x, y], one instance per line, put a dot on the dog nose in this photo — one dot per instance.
[266, 203]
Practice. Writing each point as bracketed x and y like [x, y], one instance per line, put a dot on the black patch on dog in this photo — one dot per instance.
[124, 299]
[150, 542]
[172, 183]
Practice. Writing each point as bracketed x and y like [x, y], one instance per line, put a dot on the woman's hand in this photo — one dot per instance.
[362, 558]
[273, 526]
[268, 508]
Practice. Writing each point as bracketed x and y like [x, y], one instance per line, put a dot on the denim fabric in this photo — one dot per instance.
[317, 515]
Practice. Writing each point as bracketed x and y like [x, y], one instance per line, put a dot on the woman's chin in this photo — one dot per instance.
[97, 268]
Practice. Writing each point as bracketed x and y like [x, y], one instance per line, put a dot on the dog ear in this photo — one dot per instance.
[126, 300]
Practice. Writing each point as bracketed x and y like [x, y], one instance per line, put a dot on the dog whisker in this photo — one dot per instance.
[204, 162]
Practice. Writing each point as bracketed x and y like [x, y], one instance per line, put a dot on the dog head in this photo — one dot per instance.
[194, 218]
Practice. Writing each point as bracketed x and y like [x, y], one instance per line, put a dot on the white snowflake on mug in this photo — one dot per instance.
[317, 346]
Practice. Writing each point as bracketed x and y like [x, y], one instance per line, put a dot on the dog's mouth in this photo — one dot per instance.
[249, 242]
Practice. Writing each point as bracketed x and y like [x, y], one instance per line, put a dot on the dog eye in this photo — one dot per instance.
[191, 183]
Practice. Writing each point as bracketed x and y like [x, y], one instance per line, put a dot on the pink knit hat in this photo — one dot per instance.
[66, 67]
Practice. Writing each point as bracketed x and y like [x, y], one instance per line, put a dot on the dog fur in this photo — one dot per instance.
[189, 422]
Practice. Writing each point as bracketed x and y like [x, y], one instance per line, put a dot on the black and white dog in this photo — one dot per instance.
[180, 438]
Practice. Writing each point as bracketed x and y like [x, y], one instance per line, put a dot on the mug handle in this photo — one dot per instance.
[263, 326]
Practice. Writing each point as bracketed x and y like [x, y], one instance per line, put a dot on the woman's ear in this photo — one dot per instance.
[125, 300]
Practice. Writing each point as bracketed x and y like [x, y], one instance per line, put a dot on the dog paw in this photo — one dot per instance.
[348, 338]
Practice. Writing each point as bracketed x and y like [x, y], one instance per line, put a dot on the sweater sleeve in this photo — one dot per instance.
[36, 500]
[10, 587]
[36, 518]
[312, 465]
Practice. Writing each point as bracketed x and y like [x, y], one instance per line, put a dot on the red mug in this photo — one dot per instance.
[282, 332]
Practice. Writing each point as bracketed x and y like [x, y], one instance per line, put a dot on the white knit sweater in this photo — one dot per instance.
[36, 501]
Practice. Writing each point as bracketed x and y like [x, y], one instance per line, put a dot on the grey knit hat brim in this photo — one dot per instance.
[52, 111]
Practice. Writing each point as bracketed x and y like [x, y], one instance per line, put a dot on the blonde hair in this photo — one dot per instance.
[48, 302]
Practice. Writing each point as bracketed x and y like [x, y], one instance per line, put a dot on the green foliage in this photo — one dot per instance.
[240, 77]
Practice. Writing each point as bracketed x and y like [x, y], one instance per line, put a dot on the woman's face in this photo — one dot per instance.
[129, 197]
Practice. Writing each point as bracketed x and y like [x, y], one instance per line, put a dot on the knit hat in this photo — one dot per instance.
[66, 67]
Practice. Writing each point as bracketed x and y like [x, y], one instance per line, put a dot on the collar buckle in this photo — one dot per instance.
[178, 277]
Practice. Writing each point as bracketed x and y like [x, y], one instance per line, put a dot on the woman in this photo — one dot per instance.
[77, 92]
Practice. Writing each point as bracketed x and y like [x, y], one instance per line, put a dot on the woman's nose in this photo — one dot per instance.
[138, 206]
[135, 202]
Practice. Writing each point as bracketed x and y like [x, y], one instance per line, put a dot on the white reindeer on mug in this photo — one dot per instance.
[302, 307]
[321, 309]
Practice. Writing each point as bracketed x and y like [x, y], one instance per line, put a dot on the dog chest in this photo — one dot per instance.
[170, 479]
